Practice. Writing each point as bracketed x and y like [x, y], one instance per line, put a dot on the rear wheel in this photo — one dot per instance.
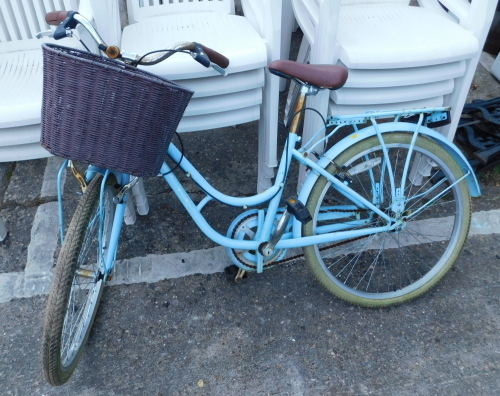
[77, 285]
[396, 266]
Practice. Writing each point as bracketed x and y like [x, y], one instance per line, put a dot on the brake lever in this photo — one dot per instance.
[65, 27]
[45, 33]
[202, 58]
[219, 69]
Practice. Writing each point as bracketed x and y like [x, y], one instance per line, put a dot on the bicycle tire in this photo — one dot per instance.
[391, 268]
[74, 296]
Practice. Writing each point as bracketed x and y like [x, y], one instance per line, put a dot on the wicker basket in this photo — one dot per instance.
[101, 112]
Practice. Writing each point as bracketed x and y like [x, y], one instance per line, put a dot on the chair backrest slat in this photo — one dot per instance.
[473, 15]
[22, 12]
[70, 5]
[6, 25]
[33, 16]
[9, 22]
[39, 14]
[23, 19]
[140, 9]
[456, 9]
[352, 2]
[3, 30]
[48, 5]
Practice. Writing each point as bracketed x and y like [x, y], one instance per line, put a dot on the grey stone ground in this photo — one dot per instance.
[278, 333]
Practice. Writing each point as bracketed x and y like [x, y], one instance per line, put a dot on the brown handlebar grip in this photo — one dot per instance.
[215, 57]
[55, 17]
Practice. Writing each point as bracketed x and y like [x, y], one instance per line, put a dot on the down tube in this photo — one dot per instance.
[198, 218]
[190, 206]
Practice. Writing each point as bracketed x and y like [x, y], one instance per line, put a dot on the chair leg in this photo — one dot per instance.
[458, 97]
[287, 25]
[3, 231]
[264, 168]
[420, 168]
[293, 90]
[268, 132]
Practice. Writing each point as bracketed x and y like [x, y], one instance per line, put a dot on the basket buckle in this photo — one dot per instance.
[78, 175]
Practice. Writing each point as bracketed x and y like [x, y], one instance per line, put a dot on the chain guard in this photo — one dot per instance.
[244, 227]
[247, 260]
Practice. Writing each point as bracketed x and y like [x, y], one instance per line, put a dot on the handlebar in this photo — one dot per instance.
[66, 21]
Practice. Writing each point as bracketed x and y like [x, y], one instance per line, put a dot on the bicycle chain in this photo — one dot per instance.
[298, 256]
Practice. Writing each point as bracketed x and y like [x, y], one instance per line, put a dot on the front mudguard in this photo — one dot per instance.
[91, 171]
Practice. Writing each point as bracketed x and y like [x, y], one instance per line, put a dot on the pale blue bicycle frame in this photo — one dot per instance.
[266, 217]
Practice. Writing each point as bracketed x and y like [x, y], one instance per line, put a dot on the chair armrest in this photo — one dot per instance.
[265, 17]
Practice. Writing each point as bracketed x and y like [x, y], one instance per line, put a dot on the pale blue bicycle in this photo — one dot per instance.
[382, 216]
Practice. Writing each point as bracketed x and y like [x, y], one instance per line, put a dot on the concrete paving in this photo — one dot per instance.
[171, 323]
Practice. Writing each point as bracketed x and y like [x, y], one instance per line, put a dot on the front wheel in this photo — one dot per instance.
[77, 284]
[392, 267]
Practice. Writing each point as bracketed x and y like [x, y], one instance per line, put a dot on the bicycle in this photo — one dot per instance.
[381, 217]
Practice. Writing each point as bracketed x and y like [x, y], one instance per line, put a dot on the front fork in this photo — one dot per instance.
[108, 261]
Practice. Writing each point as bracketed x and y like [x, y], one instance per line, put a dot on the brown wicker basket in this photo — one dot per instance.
[101, 112]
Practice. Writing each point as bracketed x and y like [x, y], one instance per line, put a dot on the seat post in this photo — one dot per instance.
[298, 115]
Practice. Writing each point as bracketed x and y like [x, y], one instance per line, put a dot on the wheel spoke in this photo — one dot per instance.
[393, 266]
[72, 305]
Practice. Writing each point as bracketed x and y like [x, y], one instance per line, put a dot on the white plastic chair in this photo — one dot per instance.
[495, 68]
[398, 56]
[248, 93]
[3, 231]
[21, 75]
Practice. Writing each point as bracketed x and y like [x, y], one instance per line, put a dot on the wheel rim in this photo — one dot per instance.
[393, 264]
[86, 285]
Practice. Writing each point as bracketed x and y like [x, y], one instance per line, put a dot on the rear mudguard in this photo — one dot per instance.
[370, 131]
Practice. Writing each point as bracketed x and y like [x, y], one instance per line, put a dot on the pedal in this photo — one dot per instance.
[235, 273]
[298, 210]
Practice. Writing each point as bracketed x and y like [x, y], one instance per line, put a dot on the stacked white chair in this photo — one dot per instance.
[3, 231]
[21, 75]
[399, 56]
[250, 42]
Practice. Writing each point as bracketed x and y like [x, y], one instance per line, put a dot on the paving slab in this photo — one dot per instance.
[169, 324]
[24, 185]
[14, 249]
[278, 333]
